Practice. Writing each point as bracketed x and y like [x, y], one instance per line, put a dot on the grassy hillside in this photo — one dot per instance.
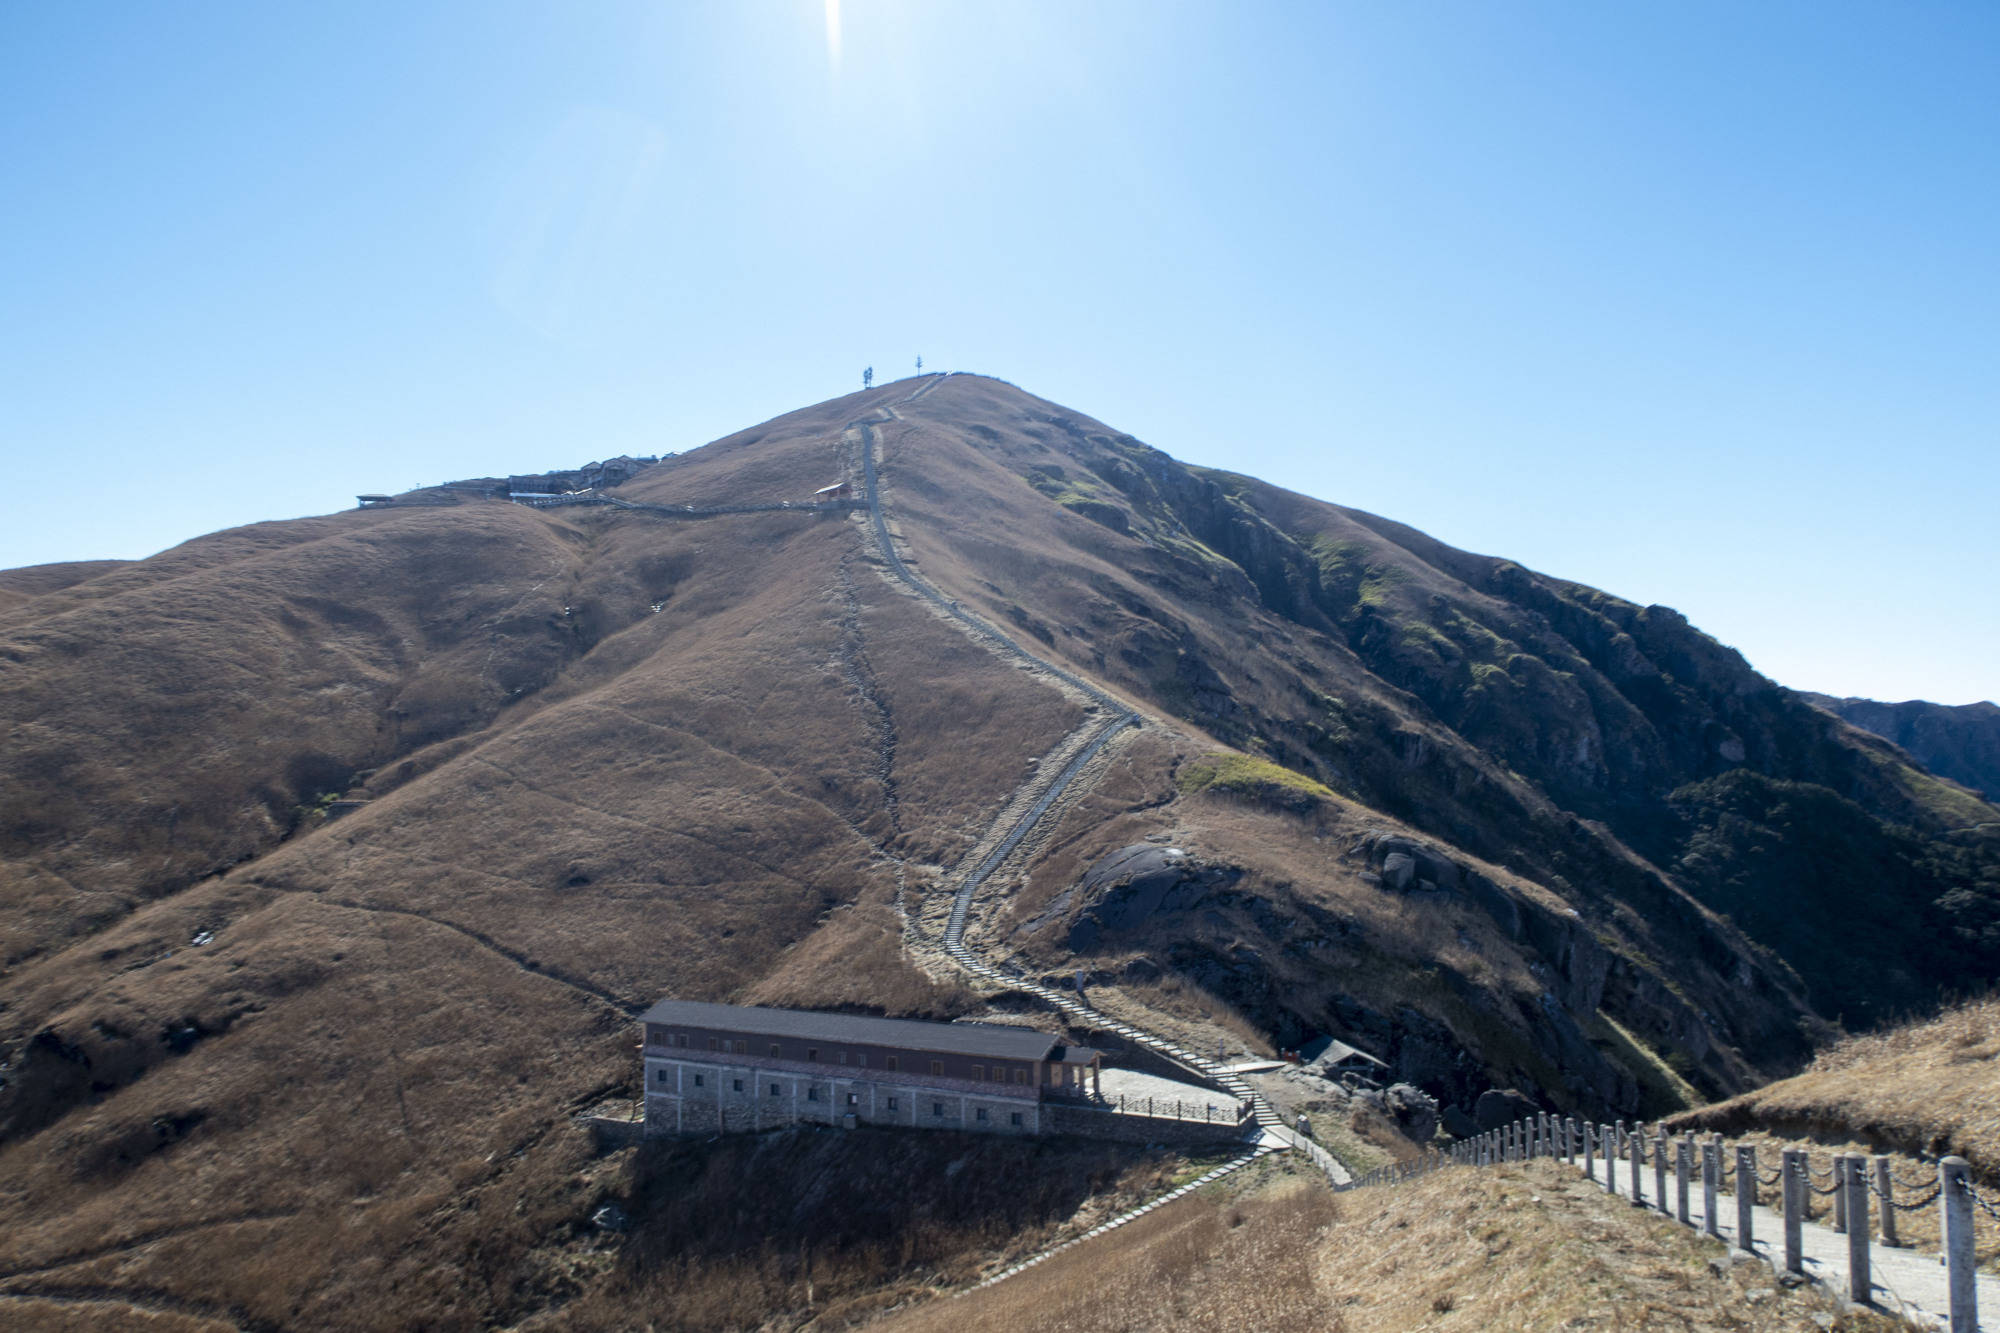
[1637, 772]
[1927, 1088]
[1527, 1249]
[605, 758]
[336, 855]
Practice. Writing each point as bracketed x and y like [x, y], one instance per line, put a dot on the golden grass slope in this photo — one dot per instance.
[1929, 1087]
[331, 1085]
[1524, 1250]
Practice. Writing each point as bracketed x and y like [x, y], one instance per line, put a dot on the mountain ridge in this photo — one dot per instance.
[596, 756]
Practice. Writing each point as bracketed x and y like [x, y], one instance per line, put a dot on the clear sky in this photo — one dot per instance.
[1698, 303]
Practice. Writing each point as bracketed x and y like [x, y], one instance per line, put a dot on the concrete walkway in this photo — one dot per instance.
[1902, 1281]
[1136, 1086]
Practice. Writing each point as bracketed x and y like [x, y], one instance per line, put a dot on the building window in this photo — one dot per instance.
[1013, 1117]
[937, 1069]
[979, 1073]
[697, 1080]
[980, 1114]
[812, 1094]
[660, 1077]
[892, 1103]
[937, 1108]
[999, 1074]
[854, 1099]
[739, 1085]
[812, 1054]
[743, 1048]
[861, 1058]
[680, 1039]
[714, 1043]
[774, 1090]
[774, 1050]
[1020, 1076]
[891, 1063]
[843, 1057]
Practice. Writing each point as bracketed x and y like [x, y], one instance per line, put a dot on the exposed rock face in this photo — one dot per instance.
[1415, 1111]
[1458, 1124]
[1497, 1107]
[1210, 923]
[1133, 885]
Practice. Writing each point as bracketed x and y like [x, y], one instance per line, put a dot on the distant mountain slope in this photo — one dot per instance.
[1960, 742]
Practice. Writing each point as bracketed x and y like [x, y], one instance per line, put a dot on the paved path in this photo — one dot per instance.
[1903, 1281]
[1267, 1133]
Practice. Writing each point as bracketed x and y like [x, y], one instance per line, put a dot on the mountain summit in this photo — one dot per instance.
[336, 855]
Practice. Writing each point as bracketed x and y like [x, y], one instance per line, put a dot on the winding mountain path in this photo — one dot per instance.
[1111, 716]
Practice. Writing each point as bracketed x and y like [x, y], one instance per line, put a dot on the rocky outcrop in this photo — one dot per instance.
[1497, 1107]
[1133, 885]
[1203, 921]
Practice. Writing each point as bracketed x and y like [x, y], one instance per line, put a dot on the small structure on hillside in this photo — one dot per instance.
[375, 501]
[1350, 1063]
[840, 490]
[713, 1067]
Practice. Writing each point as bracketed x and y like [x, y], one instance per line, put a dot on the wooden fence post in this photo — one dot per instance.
[1955, 1207]
[1589, 1152]
[1610, 1160]
[1711, 1182]
[1660, 1171]
[1746, 1197]
[1639, 1165]
[1569, 1139]
[1854, 1184]
[1795, 1184]
[1885, 1180]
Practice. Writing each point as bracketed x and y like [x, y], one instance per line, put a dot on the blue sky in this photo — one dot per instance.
[1698, 303]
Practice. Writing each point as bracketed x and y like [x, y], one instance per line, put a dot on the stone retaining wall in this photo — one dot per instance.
[1093, 1123]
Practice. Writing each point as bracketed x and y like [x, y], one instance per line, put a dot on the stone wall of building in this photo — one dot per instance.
[700, 1097]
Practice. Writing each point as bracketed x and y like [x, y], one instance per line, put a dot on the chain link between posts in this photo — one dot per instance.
[1980, 1199]
[1914, 1204]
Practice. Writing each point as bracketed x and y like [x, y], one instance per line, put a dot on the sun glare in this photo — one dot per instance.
[833, 33]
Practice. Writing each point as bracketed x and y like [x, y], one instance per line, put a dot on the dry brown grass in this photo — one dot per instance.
[1520, 1250]
[1927, 1088]
[828, 1228]
[348, 1106]
[1916, 1092]
[82, 1315]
